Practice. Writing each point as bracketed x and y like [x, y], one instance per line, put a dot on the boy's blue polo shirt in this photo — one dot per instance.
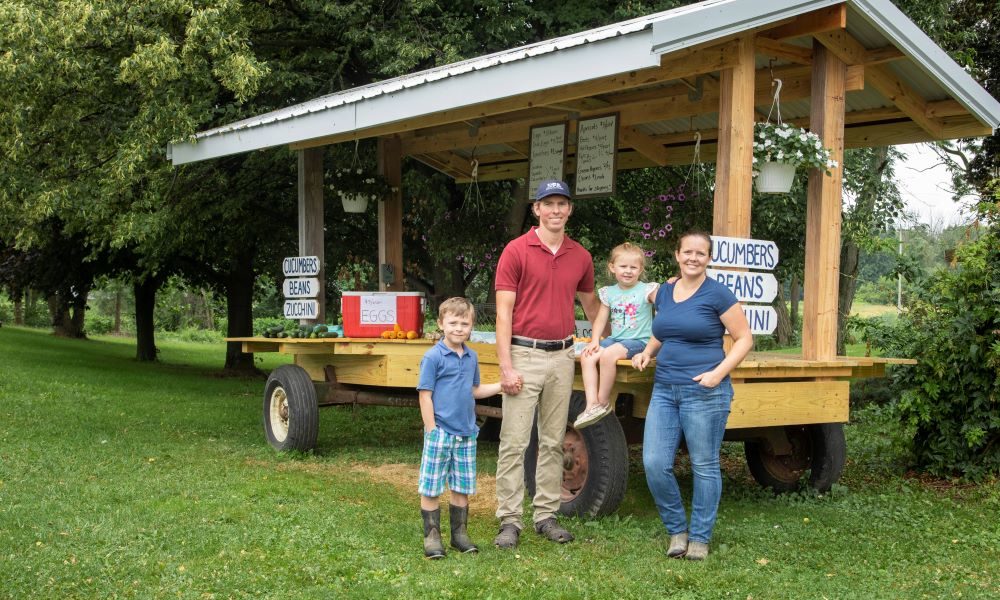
[450, 379]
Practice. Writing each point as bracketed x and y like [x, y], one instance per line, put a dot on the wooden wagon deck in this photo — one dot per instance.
[770, 389]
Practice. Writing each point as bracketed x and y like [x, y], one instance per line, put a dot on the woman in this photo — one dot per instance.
[691, 392]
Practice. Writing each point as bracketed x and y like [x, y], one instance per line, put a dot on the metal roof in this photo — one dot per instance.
[606, 51]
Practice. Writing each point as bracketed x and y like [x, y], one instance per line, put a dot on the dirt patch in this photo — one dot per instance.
[404, 479]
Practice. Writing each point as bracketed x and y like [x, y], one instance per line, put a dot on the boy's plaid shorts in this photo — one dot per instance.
[447, 456]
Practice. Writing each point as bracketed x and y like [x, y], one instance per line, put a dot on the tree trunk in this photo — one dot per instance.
[209, 316]
[783, 331]
[239, 310]
[118, 311]
[849, 254]
[19, 310]
[795, 290]
[67, 312]
[145, 302]
[849, 250]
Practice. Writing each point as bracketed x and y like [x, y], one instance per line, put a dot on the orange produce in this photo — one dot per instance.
[400, 335]
[411, 335]
[387, 334]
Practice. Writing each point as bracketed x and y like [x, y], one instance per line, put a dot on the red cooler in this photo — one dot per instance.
[368, 314]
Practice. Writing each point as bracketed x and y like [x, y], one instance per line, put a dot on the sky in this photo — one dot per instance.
[925, 187]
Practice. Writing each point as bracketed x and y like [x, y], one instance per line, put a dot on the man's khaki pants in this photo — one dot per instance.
[548, 383]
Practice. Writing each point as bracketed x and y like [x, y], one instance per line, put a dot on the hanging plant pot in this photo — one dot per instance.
[775, 178]
[354, 203]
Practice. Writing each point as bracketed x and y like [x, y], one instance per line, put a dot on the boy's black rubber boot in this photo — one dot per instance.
[433, 548]
[459, 536]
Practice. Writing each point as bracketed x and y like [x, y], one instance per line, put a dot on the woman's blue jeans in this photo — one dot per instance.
[698, 414]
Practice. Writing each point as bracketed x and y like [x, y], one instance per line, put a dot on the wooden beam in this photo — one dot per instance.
[789, 52]
[390, 217]
[733, 178]
[310, 186]
[843, 45]
[945, 108]
[823, 208]
[437, 165]
[877, 56]
[644, 144]
[817, 21]
[904, 97]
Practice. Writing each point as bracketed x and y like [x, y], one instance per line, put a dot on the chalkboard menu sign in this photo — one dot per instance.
[547, 155]
[596, 152]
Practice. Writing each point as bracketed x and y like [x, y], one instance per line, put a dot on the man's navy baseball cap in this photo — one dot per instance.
[552, 187]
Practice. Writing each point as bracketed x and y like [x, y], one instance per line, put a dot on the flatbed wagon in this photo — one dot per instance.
[787, 411]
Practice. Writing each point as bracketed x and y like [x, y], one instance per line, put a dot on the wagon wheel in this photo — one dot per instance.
[291, 414]
[595, 464]
[821, 449]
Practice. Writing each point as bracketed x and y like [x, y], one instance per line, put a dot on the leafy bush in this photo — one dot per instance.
[97, 324]
[952, 397]
[192, 334]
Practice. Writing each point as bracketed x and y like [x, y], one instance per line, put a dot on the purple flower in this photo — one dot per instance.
[663, 197]
[488, 256]
[645, 210]
[671, 197]
[646, 225]
[681, 198]
[646, 236]
[650, 252]
[662, 233]
[668, 227]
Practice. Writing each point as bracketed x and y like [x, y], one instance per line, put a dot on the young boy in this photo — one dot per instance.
[448, 387]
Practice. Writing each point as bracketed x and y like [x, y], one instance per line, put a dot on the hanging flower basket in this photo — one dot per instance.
[788, 145]
[355, 188]
[775, 178]
[354, 203]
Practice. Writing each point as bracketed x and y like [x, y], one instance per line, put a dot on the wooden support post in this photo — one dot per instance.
[390, 217]
[734, 165]
[311, 219]
[822, 268]
[734, 162]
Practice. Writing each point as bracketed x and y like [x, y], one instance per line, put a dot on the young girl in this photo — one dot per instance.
[629, 306]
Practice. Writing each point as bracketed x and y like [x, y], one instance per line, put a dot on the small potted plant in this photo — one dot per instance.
[355, 188]
[779, 149]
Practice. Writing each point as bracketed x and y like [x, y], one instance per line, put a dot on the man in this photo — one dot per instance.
[537, 277]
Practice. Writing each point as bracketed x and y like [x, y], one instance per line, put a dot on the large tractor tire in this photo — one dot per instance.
[595, 464]
[291, 414]
[821, 449]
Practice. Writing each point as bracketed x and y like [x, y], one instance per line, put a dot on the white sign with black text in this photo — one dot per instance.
[300, 266]
[301, 309]
[745, 253]
[748, 286]
[763, 319]
[301, 287]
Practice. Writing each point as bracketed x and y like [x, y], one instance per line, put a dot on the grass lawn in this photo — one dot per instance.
[128, 480]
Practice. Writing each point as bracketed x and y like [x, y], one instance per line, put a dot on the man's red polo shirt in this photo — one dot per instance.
[545, 284]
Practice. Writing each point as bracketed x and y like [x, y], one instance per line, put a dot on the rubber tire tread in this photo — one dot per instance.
[303, 410]
[827, 455]
[607, 476]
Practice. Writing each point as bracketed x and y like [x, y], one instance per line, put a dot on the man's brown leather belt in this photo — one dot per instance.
[546, 345]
